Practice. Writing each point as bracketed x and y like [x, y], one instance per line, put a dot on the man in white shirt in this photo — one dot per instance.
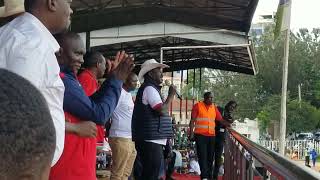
[28, 48]
[151, 124]
[120, 138]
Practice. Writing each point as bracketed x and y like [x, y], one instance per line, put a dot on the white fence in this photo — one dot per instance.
[292, 145]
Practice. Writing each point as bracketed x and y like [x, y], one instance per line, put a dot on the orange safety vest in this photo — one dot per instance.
[205, 120]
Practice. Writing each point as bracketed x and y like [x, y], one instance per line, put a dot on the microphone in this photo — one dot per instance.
[167, 83]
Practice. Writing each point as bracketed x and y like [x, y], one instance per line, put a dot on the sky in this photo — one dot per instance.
[304, 13]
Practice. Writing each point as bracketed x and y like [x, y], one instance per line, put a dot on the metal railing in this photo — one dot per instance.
[246, 160]
[299, 146]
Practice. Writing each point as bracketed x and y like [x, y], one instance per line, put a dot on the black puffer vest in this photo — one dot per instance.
[146, 123]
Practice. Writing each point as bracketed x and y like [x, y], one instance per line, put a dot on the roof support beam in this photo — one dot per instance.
[115, 17]
[164, 29]
[198, 63]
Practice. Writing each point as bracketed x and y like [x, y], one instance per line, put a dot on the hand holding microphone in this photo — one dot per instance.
[172, 89]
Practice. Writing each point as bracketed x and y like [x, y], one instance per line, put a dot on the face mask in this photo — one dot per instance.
[131, 89]
[133, 92]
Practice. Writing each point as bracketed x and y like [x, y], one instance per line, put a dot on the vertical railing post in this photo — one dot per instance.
[88, 40]
[200, 80]
[243, 165]
[250, 168]
[238, 162]
[193, 85]
[181, 86]
[171, 106]
[234, 159]
[227, 159]
[187, 94]
[225, 163]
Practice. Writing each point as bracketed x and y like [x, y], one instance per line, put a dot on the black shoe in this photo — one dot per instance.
[169, 178]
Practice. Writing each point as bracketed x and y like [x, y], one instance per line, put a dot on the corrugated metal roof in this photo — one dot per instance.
[233, 15]
[230, 15]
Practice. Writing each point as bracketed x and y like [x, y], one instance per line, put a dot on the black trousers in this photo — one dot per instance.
[218, 149]
[205, 152]
[170, 168]
[307, 160]
[150, 156]
[137, 167]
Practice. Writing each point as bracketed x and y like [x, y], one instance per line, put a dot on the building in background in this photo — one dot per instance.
[175, 79]
[248, 128]
[179, 107]
[259, 25]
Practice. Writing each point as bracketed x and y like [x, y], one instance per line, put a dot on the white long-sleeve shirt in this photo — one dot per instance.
[27, 48]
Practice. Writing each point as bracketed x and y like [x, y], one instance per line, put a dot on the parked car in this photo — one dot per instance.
[316, 136]
[305, 136]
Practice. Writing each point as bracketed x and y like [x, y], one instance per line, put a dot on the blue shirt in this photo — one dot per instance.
[97, 108]
[313, 154]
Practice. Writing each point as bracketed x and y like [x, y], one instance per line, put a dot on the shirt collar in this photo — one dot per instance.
[90, 73]
[66, 70]
[207, 105]
[43, 30]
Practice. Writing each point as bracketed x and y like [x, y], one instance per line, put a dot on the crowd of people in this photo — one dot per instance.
[54, 111]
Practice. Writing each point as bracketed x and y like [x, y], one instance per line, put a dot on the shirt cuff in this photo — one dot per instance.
[157, 106]
[115, 82]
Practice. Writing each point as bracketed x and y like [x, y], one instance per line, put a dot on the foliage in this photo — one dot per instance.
[302, 116]
[259, 96]
[303, 69]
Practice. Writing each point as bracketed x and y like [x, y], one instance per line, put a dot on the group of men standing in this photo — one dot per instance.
[29, 49]
[36, 46]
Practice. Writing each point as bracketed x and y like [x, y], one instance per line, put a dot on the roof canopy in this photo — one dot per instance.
[142, 27]
[233, 15]
[236, 59]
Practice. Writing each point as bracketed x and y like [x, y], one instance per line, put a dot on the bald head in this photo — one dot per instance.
[64, 38]
[54, 14]
[71, 52]
[95, 62]
[131, 82]
[208, 97]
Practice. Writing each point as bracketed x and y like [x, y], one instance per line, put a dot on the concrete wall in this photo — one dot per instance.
[248, 128]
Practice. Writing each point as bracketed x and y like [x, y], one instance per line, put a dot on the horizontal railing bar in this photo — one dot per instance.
[274, 162]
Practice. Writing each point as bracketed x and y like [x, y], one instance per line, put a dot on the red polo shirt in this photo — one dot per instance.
[78, 159]
[90, 85]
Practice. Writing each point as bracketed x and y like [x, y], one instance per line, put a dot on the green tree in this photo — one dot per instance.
[259, 96]
[302, 117]
[303, 69]
[194, 87]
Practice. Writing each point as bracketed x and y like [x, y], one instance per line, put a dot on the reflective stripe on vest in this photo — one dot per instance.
[204, 126]
[205, 121]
